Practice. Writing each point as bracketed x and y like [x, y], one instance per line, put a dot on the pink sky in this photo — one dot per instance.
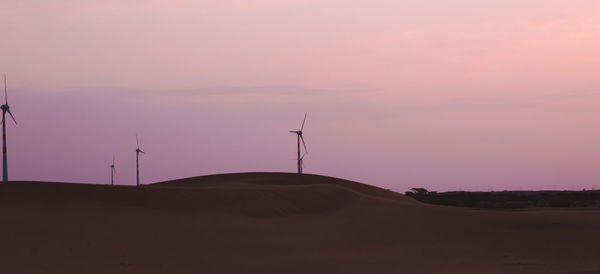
[447, 95]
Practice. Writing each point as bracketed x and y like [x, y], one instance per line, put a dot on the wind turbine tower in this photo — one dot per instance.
[300, 138]
[137, 161]
[5, 109]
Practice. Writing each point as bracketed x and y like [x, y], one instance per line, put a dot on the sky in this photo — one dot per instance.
[446, 95]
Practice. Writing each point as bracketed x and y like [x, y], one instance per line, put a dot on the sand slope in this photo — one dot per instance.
[278, 223]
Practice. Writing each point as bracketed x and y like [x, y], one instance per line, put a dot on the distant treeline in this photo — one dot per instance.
[510, 199]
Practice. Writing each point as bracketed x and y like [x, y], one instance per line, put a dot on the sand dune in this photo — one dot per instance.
[278, 223]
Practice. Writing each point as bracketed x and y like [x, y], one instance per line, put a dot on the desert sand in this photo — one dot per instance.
[278, 223]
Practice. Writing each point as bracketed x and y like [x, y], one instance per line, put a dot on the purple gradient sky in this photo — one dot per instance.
[465, 94]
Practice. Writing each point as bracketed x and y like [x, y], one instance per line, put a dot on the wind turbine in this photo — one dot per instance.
[137, 160]
[113, 171]
[299, 134]
[5, 109]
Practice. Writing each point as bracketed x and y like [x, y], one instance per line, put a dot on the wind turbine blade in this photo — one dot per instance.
[142, 151]
[137, 141]
[113, 160]
[301, 128]
[11, 116]
[5, 92]
[306, 150]
[302, 160]
[115, 170]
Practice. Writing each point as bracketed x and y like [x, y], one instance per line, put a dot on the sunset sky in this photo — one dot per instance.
[447, 95]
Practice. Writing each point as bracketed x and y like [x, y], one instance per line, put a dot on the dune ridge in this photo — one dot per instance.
[252, 194]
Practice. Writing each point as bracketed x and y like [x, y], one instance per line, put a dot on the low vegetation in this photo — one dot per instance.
[510, 199]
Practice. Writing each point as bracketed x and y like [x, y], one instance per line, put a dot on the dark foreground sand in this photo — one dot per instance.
[278, 223]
